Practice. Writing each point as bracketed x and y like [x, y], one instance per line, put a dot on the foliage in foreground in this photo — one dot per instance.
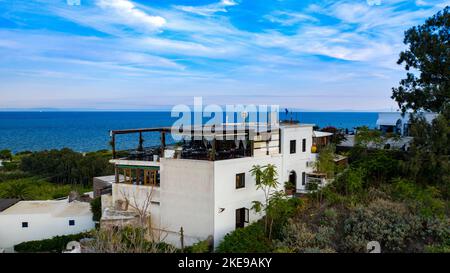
[55, 245]
[251, 239]
[125, 240]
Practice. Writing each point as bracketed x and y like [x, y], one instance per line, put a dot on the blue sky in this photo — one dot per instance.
[120, 54]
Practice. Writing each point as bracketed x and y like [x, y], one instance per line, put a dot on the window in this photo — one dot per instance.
[24, 224]
[242, 217]
[303, 178]
[240, 180]
[304, 145]
[71, 222]
[293, 147]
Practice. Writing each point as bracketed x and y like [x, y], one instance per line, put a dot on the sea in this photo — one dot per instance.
[89, 131]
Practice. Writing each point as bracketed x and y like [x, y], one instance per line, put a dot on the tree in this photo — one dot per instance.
[428, 54]
[338, 135]
[5, 154]
[365, 137]
[325, 161]
[266, 180]
[96, 209]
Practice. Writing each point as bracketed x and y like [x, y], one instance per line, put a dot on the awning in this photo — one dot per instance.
[321, 134]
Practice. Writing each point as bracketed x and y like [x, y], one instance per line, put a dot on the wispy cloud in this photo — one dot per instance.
[128, 12]
[208, 10]
[286, 18]
[224, 48]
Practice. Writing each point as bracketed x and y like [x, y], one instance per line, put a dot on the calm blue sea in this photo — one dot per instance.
[89, 131]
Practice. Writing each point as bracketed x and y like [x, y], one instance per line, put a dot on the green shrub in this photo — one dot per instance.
[12, 175]
[299, 238]
[204, 246]
[6, 155]
[56, 244]
[96, 208]
[35, 188]
[389, 223]
[250, 239]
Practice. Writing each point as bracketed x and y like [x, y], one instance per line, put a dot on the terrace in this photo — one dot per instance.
[212, 144]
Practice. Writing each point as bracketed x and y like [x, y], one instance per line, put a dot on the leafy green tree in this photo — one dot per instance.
[5, 155]
[325, 161]
[266, 180]
[96, 208]
[365, 137]
[429, 161]
[427, 60]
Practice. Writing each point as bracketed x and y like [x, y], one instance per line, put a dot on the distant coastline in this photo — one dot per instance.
[89, 131]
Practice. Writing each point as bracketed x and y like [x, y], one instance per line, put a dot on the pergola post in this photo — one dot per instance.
[163, 142]
[113, 144]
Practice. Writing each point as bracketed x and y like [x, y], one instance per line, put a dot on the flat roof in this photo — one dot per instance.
[60, 208]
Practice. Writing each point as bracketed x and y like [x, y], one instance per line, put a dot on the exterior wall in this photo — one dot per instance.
[298, 161]
[138, 196]
[40, 226]
[229, 198]
[187, 199]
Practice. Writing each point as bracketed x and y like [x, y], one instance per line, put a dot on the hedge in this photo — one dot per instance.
[55, 245]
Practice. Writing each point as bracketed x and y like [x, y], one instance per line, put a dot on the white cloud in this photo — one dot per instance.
[129, 13]
[208, 10]
[286, 18]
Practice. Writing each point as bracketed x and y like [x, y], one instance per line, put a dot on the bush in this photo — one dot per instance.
[12, 175]
[5, 155]
[56, 244]
[204, 246]
[426, 200]
[250, 239]
[96, 208]
[35, 188]
[391, 224]
[299, 238]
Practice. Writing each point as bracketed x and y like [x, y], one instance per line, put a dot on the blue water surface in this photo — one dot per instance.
[89, 131]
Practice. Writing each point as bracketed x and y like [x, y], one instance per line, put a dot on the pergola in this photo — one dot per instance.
[213, 134]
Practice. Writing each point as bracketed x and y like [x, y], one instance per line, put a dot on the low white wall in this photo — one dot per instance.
[40, 226]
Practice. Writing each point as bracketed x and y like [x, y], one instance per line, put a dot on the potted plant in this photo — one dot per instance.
[289, 188]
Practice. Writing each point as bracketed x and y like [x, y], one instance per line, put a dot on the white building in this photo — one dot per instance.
[205, 186]
[37, 220]
[394, 122]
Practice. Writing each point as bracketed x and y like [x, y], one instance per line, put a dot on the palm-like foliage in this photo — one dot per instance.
[16, 190]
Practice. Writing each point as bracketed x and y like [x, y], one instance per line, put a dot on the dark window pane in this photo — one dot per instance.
[240, 180]
[304, 145]
[293, 147]
[303, 178]
[24, 224]
[241, 217]
[71, 222]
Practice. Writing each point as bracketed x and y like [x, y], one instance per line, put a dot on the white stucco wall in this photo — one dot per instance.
[187, 199]
[40, 226]
[229, 198]
[298, 161]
